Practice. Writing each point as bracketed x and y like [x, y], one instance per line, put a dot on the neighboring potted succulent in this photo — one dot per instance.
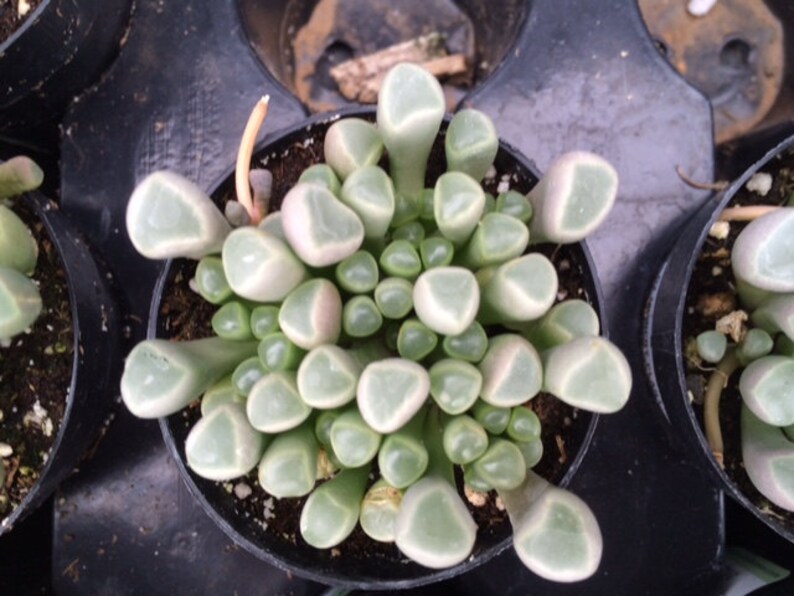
[721, 338]
[383, 337]
[59, 348]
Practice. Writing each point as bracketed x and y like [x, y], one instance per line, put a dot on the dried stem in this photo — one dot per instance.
[719, 185]
[748, 213]
[711, 404]
[242, 184]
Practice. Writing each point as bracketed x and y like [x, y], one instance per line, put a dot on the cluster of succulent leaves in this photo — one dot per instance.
[20, 301]
[763, 266]
[375, 324]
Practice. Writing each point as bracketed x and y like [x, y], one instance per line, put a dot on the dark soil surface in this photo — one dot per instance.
[184, 315]
[35, 374]
[13, 13]
[712, 295]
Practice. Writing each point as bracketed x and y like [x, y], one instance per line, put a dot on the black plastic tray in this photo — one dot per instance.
[582, 75]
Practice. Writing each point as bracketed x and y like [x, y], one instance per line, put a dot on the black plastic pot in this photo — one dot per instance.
[96, 364]
[360, 573]
[59, 51]
[664, 355]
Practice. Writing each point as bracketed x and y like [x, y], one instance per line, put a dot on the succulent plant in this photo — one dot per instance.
[763, 265]
[20, 301]
[381, 321]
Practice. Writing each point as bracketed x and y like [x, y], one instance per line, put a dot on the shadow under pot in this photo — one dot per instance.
[269, 527]
[59, 377]
[719, 336]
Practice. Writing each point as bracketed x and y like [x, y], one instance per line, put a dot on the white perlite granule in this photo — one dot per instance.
[760, 183]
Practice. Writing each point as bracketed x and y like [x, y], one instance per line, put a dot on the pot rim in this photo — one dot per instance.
[428, 576]
[684, 255]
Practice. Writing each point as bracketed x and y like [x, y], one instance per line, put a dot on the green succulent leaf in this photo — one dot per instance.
[763, 254]
[454, 385]
[471, 143]
[589, 373]
[351, 144]
[331, 512]
[401, 259]
[320, 228]
[222, 392]
[494, 419]
[354, 442]
[767, 388]
[311, 314]
[411, 106]
[520, 290]
[264, 320]
[168, 216]
[260, 267]
[162, 377]
[403, 458]
[379, 511]
[711, 346]
[394, 297]
[233, 321]
[369, 192]
[458, 204]
[515, 204]
[555, 534]
[756, 344]
[274, 404]
[465, 439]
[415, 341]
[511, 371]
[768, 455]
[390, 392]
[321, 175]
[19, 174]
[436, 252]
[532, 452]
[501, 466]
[211, 282]
[469, 345]
[776, 314]
[327, 377]
[358, 273]
[277, 352]
[498, 238]
[412, 231]
[563, 322]
[273, 224]
[572, 198]
[247, 373]
[18, 248]
[524, 425]
[223, 445]
[20, 302]
[433, 526]
[289, 466]
[446, 299]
